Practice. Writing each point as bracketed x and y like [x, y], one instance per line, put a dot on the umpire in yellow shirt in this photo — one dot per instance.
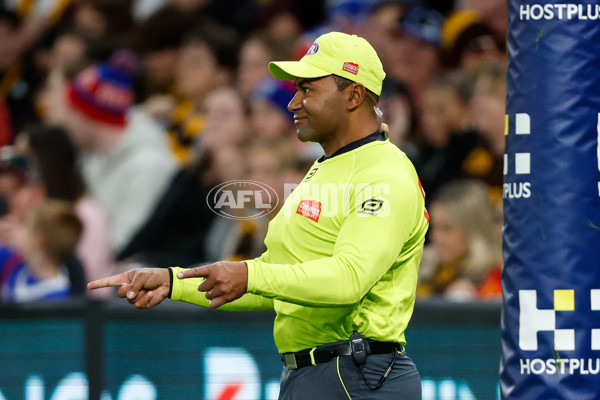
[343, 253]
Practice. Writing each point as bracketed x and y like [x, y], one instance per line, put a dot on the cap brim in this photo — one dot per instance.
[290, 70]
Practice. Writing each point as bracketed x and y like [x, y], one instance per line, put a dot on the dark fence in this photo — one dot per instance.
[110, 350]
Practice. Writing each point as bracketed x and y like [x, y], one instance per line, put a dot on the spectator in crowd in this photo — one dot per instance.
[39, 16]
[348, 16]
[493, 12]
[464, 257]
[34, 270]
[182, 223]
[126, 164]
[157, 40]
[255, 54]
[207, 60]
[109, 20]
[271, 118]
[66, 57]
[69, 49]
[447, 129]
[225, 132]
[269, 160]
[381, 28]
[400, 115]
[273, 161]
[269, 113]
[53, 158]
[28, 194]
[58, 48]
[416, 50]
[223, 141]
[286, 20]
[177, 232]
[183, 230]
[468, 42]
[236, 14]
[12, 177]
[488, 110]
[206, 113]
[18, 78]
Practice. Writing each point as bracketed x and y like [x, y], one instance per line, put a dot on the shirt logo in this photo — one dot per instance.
[310, 209]
[311, 173]
[351, 67]
[313, 49]
[370, 207]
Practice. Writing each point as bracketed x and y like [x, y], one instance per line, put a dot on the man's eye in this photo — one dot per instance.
[305, 90]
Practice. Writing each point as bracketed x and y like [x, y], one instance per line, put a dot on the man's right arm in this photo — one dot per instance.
[187, 290]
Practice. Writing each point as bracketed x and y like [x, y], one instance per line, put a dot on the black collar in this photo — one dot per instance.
[375, 136]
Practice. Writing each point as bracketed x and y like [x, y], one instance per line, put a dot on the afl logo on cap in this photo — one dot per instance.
[313, 49]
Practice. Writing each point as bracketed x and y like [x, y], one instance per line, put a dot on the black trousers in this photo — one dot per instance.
[342, 379]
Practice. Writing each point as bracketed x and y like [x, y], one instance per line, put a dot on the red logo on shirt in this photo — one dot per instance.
[351, 67]
[310, 209]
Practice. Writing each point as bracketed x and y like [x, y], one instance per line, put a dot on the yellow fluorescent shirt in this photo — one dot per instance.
[342, 253]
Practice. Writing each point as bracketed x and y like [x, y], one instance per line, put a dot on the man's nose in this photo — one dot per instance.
[295, 103]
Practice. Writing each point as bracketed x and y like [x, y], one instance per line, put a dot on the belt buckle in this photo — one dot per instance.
[290, 361]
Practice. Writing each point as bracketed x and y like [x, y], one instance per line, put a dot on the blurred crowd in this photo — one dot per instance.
[118, 117]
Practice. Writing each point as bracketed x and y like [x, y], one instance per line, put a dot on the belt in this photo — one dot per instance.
[326, 352]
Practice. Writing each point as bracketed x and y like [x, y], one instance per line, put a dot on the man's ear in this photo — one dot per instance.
[356, 96]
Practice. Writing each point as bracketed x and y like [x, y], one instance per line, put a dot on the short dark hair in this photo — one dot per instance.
[9, 17]
[165, 29]
[222, 42]
[342, 83]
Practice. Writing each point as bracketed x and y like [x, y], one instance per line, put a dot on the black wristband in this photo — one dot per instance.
[170, 282]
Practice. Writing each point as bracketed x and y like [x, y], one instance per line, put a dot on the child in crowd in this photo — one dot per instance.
[36, 271]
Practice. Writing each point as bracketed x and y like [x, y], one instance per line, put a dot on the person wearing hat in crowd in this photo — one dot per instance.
[126, 163]
[341, 264]
[468, 42]
[416, 49]
[493, 12]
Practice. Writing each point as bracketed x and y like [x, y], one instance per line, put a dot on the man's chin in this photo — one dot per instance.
[302, 136]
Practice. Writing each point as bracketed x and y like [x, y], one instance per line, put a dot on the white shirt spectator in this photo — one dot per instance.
[129, 180]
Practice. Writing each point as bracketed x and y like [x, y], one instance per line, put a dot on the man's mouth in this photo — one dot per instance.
[297, 119]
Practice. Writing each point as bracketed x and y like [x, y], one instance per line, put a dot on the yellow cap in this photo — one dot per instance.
[348, 56]
[456, 24]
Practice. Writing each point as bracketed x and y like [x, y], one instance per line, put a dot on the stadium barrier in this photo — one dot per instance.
[109, 350]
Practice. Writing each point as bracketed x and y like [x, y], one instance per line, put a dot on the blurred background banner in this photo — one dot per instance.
[551, 278]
